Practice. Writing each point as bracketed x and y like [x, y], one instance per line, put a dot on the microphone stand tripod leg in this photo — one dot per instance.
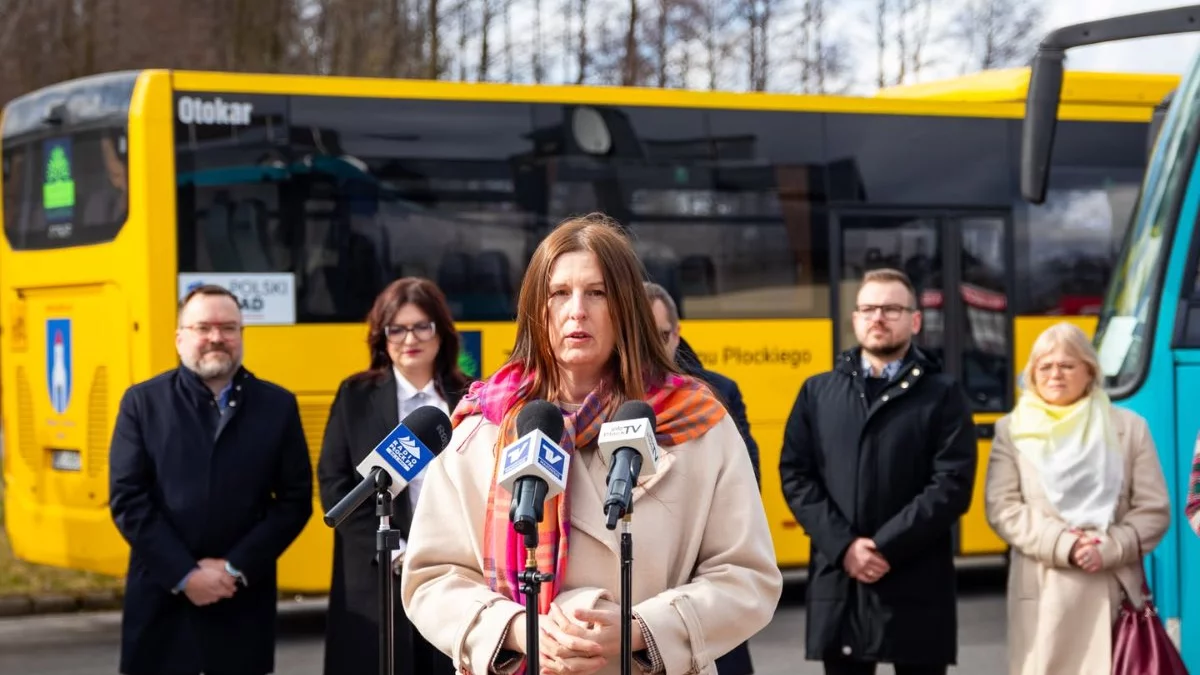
[387, 540]
[626, 597]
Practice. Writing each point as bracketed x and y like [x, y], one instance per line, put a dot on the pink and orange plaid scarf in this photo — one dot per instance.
[684, 410]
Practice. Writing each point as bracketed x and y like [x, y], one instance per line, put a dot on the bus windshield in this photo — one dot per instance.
[66, 189]
[1123, 333]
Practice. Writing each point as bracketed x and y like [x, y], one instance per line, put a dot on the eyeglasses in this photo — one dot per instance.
[890, 312]
[422, 331]
[226, 330]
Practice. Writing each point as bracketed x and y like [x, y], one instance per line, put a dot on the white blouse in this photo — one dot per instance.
[408, 399]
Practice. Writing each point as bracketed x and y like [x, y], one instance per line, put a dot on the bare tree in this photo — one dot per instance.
[822, 58]
[632, 65]
[539, 63]
[757, 14]
[904, 31]
[465, 26]
[997, 33]
[485, 28]
[510, 63]
[713, 17]
[581, 48]
[661, 38]
[433, 28]
[11, 13]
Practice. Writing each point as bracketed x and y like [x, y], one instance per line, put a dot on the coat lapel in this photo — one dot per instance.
[588, 483]
[385, 407]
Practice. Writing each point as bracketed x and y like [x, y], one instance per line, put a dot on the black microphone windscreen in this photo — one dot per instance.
[429, 424]
[542, 416]
[635, 410]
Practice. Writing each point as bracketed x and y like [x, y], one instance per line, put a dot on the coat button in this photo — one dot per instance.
[884, 397]
[233, 403]
[846, 650]
[916, 371]
[903, 385]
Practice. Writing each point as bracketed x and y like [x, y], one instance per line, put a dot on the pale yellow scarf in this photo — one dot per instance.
[1075, 450]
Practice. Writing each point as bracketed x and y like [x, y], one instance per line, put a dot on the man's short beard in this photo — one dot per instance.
[213, 370]
[888, 352]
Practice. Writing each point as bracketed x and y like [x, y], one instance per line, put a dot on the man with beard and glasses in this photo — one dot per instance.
[210, 482]
[878, 464]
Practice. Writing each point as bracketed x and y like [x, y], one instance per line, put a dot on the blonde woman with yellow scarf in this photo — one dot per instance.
[1075, 487]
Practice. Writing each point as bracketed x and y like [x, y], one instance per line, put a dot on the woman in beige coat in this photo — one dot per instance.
[704, 572]
[1075, 488]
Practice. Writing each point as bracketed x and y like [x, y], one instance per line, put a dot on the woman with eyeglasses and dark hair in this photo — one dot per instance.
[413, 350]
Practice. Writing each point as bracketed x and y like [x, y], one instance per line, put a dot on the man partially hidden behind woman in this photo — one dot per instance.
[705, 576]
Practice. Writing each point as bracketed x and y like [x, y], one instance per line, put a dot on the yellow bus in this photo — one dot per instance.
[306, 194]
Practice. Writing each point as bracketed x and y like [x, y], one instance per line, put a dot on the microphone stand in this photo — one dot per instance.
[531, 579]
[627, 593]
[387, 540]
[531, 583]
[619, 504]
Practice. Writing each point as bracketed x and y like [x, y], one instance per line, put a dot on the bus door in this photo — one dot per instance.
[968, 330]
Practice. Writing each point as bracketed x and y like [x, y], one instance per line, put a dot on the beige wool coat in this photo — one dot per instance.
[705, 577]
[1059, 617]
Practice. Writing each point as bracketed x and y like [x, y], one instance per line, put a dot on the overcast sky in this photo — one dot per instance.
[1151, 55]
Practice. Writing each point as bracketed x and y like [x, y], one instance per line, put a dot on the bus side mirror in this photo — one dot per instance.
[1041, 119]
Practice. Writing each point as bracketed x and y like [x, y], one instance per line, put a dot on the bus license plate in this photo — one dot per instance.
[66, 460]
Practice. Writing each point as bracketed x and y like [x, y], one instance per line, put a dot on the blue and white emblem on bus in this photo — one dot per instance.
[58, 363]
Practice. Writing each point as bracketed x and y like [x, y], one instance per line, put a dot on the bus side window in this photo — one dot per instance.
[248, 232]
[1187, 331]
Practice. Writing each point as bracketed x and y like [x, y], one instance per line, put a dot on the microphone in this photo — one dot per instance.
[534, 467]
[397, 459]
[627, 444]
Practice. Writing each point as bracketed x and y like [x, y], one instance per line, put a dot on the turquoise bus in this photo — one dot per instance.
[1148, 334]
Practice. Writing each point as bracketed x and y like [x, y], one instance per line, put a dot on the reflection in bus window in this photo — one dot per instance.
[1065, 248]
[350, 204]
[727, 230]
[1070, 246]
[985, 350]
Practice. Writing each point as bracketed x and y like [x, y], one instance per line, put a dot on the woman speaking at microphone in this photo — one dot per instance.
[704, 571]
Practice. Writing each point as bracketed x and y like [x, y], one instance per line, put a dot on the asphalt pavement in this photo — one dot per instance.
[87, 644]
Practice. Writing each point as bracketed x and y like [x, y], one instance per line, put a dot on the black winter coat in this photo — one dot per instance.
[187, 482]
[363, 412]
[898, 470]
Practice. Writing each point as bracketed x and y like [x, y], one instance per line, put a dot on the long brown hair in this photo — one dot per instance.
[425, 294]
[639, 355]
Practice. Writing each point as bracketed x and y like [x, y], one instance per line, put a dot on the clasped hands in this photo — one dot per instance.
[864, 562]
[1085, 552]
[582, 644]
[209, 583]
